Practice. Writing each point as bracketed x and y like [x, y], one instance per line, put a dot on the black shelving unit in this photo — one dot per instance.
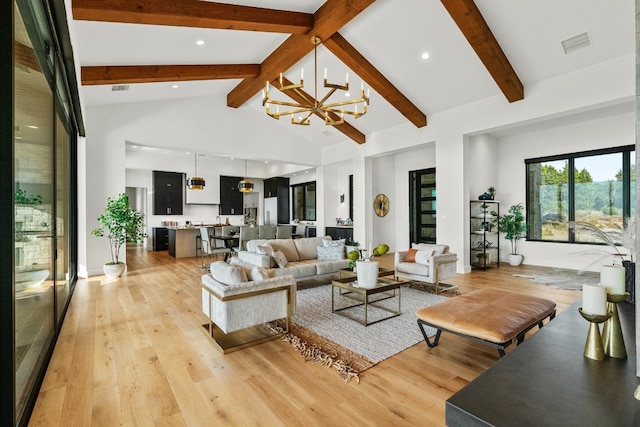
[484, 241]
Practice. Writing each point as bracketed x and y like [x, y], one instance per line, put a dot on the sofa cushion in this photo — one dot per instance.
[280, 259]
[330, 253]
[265, 249]
[287, 247]
[413, 268]
[307, 247]
[326, 267]
[437, 249]
[227, 274]
[299, 270]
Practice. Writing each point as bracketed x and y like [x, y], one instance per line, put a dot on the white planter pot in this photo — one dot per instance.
[367, 274]
[113, 271]
[515, 259]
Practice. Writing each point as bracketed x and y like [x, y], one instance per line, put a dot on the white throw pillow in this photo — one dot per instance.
[258, 273]
[422, 257]
[265, 249]
[330, 253]
[328, 243]
[227, 274]
[280, 259]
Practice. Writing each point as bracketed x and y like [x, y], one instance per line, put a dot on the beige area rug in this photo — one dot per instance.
[346, 345]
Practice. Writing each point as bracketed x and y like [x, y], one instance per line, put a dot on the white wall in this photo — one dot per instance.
[595, 133]
[207, 125]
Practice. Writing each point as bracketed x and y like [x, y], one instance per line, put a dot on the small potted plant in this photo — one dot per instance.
[513, 225]
[119, 224]
[492, 192]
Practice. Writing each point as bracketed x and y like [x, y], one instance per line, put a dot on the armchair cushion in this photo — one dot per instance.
[227, 274]
[422, 257]
[437, 249]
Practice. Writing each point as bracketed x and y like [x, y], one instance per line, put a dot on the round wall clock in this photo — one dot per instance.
[381, 205]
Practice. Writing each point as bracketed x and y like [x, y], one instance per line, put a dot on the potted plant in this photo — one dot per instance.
[515, 228]
[492, 192]
[119, 223]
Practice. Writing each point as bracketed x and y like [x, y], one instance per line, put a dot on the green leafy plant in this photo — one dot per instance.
[22, 198]
[120, 223]
[514, 226]
[492, 191]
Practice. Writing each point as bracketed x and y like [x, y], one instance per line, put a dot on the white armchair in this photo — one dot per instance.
[433, 263]
[239, 308]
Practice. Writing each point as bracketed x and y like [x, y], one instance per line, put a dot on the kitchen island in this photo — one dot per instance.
[183, 241]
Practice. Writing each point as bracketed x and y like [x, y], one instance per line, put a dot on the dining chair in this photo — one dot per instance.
[267, 232]
[209, 248]
[300, 231]
[284, 232]
[246, 233]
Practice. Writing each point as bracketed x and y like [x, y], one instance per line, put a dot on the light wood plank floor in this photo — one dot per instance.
[131, 352]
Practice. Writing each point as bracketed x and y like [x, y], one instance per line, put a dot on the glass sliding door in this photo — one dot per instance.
[34, 205]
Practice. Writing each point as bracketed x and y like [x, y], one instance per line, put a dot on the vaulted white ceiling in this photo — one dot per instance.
[391, 35]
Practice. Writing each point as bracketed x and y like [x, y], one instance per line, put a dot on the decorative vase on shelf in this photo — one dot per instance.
[367, 274]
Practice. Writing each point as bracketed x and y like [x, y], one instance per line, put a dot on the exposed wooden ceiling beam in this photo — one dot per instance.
[104, 75]
[328, 19]
[193, 13]
[348, 54]
[467, 16]
[346, 128]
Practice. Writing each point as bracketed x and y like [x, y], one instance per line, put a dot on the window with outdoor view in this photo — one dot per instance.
[592, 189]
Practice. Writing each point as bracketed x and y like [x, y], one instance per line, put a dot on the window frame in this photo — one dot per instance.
[625, 150]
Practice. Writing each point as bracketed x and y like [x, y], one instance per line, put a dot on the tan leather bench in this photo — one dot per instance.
[489, 316]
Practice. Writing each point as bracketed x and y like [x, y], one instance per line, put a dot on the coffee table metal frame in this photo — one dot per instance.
[382, 272]
[389, 288]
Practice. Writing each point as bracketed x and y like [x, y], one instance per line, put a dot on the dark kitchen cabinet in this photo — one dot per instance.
[337, 233]
[168, 190]
[276, 187]
[160, 238]
[231, 199]
[279, 187]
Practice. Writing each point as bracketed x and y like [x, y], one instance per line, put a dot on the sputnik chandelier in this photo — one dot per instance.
[301, 112]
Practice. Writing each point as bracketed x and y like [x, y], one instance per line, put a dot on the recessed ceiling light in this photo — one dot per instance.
[347, 94]
[232, 158]
[134, 146]
[266, 162]
[200, 42]
[188, 152]
[306, 171]
[425, 55]
[175, 86]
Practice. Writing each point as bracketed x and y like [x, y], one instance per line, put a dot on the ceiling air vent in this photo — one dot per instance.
[119, 88]
[576, 42]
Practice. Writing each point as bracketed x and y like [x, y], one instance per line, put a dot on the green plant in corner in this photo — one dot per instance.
[120, 223]
[514, 226]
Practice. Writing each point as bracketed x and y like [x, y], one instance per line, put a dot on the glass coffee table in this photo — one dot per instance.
[347, 288]
[382, 272]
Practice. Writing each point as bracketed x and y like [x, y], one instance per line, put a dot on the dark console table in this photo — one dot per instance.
[547, 381]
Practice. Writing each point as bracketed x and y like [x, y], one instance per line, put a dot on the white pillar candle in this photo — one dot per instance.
[594, 299]
[612, 278]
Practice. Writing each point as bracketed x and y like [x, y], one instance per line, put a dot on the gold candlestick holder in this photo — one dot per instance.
[593, 348]
[612, 338]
